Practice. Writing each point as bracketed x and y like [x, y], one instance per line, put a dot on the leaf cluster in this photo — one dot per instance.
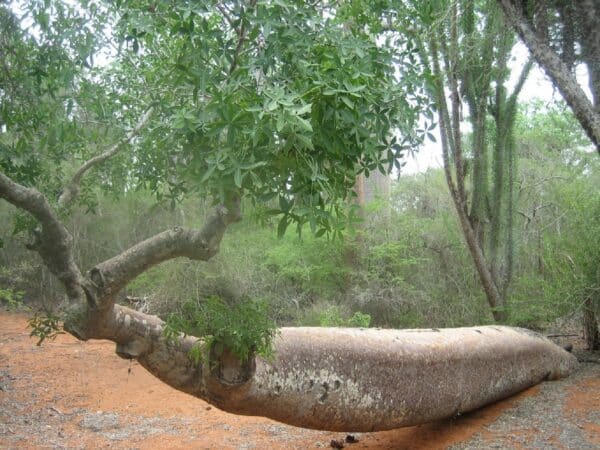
[243, 328]
[278, 100]
[58, 107]
[45, 327]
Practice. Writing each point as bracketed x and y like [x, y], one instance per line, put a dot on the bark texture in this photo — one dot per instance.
[355, 379]
[51, 239]
[590, 324]
[367, 380]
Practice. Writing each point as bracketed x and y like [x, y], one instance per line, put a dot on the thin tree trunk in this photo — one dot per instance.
[479, 193]
[451, 140]
[510, 216]
[590, 325]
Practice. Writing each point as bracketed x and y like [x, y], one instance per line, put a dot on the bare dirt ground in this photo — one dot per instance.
[70, 394]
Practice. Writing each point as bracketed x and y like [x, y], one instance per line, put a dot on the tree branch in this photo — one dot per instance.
[53, 242]
[110, 276]
[446, 133]
[71, 190]
[456, 103]
[558, 72]
[512, 100]
[242, 34]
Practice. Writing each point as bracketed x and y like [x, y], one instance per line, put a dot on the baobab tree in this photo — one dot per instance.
[233, 101]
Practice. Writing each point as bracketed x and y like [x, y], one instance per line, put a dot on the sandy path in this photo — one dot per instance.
[69, 394]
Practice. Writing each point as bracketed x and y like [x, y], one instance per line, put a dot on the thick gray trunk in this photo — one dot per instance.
[367, 380]
[354, 379]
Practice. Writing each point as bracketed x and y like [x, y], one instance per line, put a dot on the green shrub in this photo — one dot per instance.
[359, 320]
[313, 265]
[336, 316]
[244, 328]
[11, 298]
[45, 326]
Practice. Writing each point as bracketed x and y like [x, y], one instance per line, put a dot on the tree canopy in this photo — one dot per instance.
[263, 100]
[275, 103]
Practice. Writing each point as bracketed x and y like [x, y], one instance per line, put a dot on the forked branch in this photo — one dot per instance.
[110, 276]
[54, 244]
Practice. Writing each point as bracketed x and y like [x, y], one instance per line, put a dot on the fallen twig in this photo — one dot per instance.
[56, 410]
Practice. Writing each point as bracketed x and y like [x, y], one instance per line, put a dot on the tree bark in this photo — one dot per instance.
[51, 239]
[349, 379]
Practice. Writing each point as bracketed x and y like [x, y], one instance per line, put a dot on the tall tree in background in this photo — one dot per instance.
[466, 48]
[560, 35]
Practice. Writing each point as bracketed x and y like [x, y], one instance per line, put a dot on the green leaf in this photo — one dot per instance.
[208, 173]
[349, 103]
[237, 177]
[321, 232]
[306, 141]
[272, 105]
[304, 124]
[304, 109]
[280, 122]
[282, 226]
[253, 165]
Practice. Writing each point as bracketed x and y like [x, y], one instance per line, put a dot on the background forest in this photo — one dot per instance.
[326, 94]
[404, 265]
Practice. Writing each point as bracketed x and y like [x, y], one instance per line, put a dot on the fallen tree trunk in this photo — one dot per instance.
[369, 379]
